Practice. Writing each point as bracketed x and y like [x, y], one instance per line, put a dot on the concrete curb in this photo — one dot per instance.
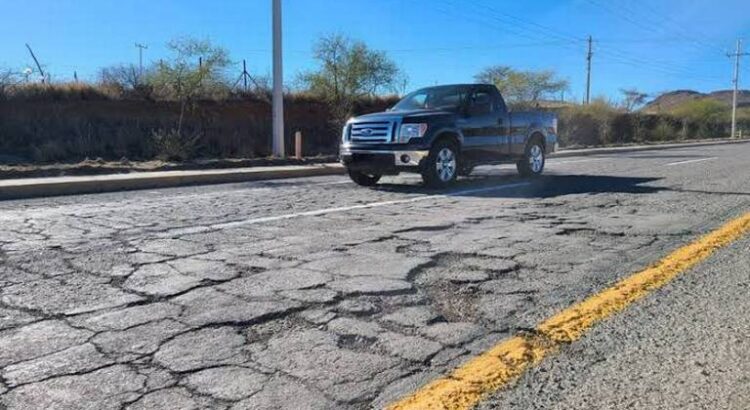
[616, 150]
[56, 186]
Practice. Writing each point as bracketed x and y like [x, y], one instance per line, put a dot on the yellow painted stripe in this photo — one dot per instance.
[465, 386]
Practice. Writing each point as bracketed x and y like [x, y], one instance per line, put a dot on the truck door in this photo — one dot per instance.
[505, 125]
[482, 127]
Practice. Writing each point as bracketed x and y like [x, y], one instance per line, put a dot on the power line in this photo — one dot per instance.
[570, 41]
[651, 65]
[653, 15]
[508, 21]
[624, 15]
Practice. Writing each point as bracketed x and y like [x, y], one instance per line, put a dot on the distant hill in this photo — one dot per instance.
[670, 100]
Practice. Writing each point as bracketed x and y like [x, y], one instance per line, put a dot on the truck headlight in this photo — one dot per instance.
[409, 131]
[345, 133]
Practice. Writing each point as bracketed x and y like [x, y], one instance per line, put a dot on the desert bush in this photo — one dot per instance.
[175, 145]
[602, 124]
[663, 131]
[703, 110]
[587, 125]
[125, 81]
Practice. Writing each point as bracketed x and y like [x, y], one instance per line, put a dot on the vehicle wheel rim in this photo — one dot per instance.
[536, 158]
[446, 164]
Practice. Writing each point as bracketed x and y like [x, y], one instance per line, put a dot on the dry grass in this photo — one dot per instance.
[58, 92]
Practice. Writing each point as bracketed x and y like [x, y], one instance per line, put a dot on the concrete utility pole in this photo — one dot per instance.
[140, 47]
[588, 71]
[737, 55]
[278, 84]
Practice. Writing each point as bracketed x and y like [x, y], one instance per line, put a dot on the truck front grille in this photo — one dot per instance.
[371, 132]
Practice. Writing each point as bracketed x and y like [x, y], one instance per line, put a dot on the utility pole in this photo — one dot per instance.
[278, 83]
[737, 56]
[588, 71]
[39, 66]
[140, 47]
[245, 73]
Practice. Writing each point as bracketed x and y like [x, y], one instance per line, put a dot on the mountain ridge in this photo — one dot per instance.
[669, 100]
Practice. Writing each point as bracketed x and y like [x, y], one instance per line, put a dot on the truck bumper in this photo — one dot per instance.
[382, 161]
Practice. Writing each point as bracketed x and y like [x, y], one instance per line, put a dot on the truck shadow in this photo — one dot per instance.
[547, 186]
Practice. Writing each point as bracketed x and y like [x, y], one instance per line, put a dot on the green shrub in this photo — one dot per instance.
[663, 131]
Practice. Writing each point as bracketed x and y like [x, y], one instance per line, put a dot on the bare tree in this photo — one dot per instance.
[523, 86]
[123, 76]
[195, 69]
[349, 70]
[8, 80]
[632, 98]
[494, 75]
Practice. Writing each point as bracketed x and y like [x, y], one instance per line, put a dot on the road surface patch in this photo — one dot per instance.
[467, 385]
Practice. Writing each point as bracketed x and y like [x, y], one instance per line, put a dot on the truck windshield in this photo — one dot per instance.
[433, 98]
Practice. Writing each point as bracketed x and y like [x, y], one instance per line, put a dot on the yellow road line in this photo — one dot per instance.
[465, 386]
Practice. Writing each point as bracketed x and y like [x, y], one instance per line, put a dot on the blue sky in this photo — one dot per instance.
[654, 45]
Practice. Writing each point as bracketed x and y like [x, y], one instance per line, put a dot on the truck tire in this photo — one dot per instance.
[362, 179]
[534, 159]
[441, 165]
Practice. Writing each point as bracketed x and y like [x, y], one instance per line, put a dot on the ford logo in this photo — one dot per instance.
[366, 131]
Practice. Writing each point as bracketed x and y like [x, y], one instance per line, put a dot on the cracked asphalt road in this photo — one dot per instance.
[314, 293]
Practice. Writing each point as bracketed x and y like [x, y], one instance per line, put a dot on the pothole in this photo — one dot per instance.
[356, 343]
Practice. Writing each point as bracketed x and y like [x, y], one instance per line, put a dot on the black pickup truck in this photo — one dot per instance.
[445, 131]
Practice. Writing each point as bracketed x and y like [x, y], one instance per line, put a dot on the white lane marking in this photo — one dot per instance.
[318, 212]
[692, 161]
[553, 162]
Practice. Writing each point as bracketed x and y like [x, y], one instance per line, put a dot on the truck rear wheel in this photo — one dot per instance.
[362, 179]
[534, 159]
[441, 165]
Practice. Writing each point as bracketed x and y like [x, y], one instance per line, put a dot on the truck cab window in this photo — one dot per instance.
[442, 98]
[480, 104]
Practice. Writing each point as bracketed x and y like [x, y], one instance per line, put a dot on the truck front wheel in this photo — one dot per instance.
[533, 161]
[360, 178]
[441, 165]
